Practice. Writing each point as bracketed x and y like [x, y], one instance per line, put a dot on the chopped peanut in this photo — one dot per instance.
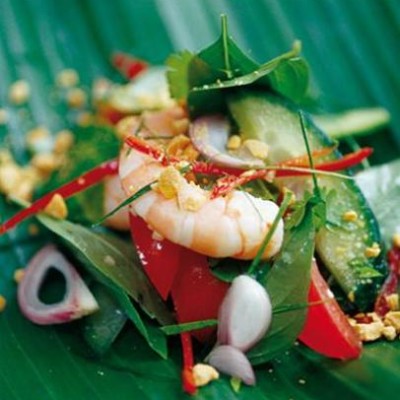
[19, 92]
[392, 318]
[127, 126]
[169, 181]
[180, 126]
[45, 162]
[63, 141]
[234, 142]
[76, 98]
[389, 333]
[3, 303]
[67, 78]
[396, 240]
[350, 216]
[369, 332]
[191, 197]
[204, 374]
[177, 145]
[57, 207]
[18, 275]
[190, 153]
[392, 301]
[373, 251]
[39, 140]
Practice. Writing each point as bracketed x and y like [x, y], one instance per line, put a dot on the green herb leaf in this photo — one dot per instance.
[288, 283]
[188, 327]
[92, 146]
[177, 74]
[115, 264]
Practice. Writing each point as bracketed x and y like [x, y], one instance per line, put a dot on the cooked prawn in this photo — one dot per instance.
[230, 226]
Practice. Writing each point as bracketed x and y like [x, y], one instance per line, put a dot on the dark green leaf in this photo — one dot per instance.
[116, 265]
[287, 284]
[188, 327]
[102, 328]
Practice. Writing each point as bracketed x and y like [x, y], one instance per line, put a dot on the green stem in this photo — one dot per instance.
[228, 68]
[282, 209]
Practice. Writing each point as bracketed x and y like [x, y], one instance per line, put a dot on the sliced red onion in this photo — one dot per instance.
[210, 135]
[233, 362]
[77, 302]
[245, 314]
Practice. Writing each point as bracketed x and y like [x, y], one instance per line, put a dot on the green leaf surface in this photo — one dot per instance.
[352, 49]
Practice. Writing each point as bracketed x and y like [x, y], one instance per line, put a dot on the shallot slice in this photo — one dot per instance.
[233, 362]
[210, 135]
[245, 314]
[77, 302]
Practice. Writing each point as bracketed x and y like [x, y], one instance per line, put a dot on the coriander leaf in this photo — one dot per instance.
[177, 74]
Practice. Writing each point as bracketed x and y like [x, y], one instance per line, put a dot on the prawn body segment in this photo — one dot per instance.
[231, 226]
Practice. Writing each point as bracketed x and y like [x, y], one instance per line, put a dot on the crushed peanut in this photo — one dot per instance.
[3, 303]
[18, 275]
[373, 251]
[57, 207]
[392, 318]
[63, 141]
[396, 240]
[392, 300]
[127, 126]
[234, 142]
[204, 374]
[350, 216]
[67, 78]
[191, 197]
[45, 162]
[389, 333]
[369, 332]
[19, 92]
[177, 145]
[76, 98]
[180, 126]
[169, 181]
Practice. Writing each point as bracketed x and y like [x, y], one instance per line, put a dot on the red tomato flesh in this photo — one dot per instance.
[327, 330]
[160, 259]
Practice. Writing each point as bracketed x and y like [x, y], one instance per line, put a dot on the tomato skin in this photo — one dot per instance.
[197, 293]
[181, 272]
[161, 259]
[327, 330]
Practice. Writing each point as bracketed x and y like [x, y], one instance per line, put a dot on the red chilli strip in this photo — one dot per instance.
[127, 65]
[390, 285]
[188, 363]
[348, 161]
[86, 180]
[143, 147]
[304, 159]
[229, 183]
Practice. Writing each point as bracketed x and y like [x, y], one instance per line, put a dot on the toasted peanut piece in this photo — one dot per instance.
[204, 374]
[57, 207]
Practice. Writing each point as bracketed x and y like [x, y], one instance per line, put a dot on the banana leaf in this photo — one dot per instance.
[352, 49]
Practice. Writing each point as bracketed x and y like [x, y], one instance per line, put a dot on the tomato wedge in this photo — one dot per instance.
[327, 330]
[181, 272]
[197, 293]
[161, 259]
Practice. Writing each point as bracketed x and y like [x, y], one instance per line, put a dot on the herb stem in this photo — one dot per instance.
[282, 209]
[228, 68]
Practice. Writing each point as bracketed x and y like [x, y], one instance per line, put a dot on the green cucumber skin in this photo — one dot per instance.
[341, 246]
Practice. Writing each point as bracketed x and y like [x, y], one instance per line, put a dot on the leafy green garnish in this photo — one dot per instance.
[114, 263]
[223, 65]
[287, 284]
[92, 146]
[188, 327]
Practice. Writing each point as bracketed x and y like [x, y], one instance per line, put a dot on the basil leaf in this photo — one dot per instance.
[288, 283]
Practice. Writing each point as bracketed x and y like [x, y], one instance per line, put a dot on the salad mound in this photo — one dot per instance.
[205, 202]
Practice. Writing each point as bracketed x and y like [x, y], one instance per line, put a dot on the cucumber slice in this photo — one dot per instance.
[342, 245]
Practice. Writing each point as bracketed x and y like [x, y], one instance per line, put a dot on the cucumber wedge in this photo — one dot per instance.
[343, 244]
